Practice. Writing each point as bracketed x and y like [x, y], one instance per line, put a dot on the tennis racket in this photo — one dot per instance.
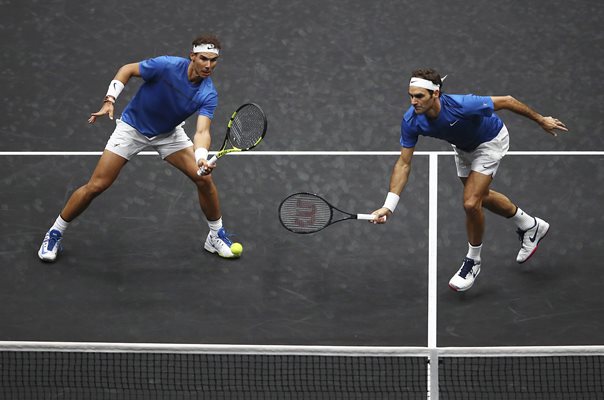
[245, 130]
[309, 213]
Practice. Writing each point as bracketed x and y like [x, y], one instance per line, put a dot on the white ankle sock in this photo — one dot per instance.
[215, 225]
[474, 252]
[60, 225]
[522, 220]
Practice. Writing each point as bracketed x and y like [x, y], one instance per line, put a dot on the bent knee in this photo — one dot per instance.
[472, 205]
[96, 187]
[204, 182]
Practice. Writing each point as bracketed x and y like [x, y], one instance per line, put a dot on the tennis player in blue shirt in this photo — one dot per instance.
[174, 88]
[480, 140]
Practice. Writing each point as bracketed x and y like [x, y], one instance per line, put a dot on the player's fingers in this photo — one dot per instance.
[92, 119]
[379, 218]
[205, 168]
[557, 124]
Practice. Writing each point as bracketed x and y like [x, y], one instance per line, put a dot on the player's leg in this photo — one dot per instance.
[530, 229]
[105, 173]
[473, 196]
[125, 142]
[178, 151]
[476, 189]
[103, 176]
[184, 160]
[499, 204]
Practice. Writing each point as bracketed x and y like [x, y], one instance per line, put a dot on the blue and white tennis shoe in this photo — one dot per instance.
[50, 246]
[465, 276]
[219, 243]
[530, 239]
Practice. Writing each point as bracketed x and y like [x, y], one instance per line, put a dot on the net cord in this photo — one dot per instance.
[378, 351]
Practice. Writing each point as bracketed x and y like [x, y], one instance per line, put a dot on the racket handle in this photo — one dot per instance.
[369, 217]
[202, 170]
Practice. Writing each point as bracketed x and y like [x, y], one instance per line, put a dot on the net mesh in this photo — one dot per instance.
[304, 213]
[248, 127]
[84, 375]
[522, 378]
[112, 375]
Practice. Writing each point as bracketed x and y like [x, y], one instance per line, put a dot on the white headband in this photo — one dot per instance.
[206, 48]
[423, 83]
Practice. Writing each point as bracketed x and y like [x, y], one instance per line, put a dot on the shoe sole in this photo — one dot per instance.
[536, 246]
[214, 251]
[456, 289]
[47, 260]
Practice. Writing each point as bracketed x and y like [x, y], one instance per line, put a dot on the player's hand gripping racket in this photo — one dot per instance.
[245, 130]
[308, 213]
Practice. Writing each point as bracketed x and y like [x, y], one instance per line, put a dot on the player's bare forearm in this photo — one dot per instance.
[201, 143]
[123, 75]
[127, 71]
[398, 181]
[549, 124]
[399, 177]
[510, 103]
[401, 171]
[202, 137]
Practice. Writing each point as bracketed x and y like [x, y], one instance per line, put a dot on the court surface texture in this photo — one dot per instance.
[332, 78]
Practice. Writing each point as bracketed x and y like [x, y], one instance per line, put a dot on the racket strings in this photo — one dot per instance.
[247, 128]
[305, 213]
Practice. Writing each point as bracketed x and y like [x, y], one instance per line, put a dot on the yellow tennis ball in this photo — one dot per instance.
[237, 249]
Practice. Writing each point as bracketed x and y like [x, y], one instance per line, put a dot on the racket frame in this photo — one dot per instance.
[331, 221]
[223, 150]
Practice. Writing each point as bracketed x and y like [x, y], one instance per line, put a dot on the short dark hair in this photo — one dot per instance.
[207, 39]
[429, 74]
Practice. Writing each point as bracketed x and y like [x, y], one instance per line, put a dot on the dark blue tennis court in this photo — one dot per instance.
[332, 77]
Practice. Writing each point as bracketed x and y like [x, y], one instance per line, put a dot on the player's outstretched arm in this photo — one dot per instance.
[115, 88]
[550, 124]
[202, 141]
[398, 180]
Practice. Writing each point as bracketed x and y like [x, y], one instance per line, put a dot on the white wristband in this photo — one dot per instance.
[391, 201]
[201, 154]
[115, 88]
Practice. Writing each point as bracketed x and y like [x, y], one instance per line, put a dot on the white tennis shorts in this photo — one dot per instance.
[485, 158]
[126, 141]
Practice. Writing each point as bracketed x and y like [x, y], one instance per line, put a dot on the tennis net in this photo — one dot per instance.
[107, 371]
[43, 370]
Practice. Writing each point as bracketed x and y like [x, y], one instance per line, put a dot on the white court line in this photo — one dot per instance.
[310, 153]
[432, 270]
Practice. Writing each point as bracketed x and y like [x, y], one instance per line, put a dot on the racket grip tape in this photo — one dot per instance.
[369, 217]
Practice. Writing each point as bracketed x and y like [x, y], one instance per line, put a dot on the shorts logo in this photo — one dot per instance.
[453, 123]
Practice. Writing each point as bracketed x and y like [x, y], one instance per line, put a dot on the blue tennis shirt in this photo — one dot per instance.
[465, 121]
[167, 97]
